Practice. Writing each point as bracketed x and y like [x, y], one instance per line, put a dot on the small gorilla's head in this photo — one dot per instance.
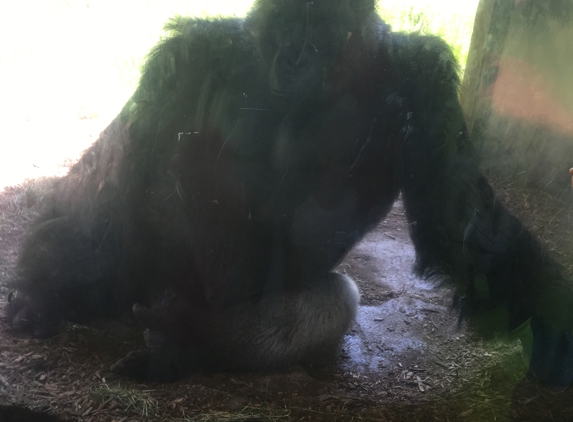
[303, 42]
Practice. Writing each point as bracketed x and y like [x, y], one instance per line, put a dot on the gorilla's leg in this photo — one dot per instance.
[272, 332]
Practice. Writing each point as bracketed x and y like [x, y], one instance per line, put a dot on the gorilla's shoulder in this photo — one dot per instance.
[426, 58]
[194, 51]
[205, 30]
[193, 39]
[425, 68]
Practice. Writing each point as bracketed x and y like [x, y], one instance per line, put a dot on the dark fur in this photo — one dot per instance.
[253, 156]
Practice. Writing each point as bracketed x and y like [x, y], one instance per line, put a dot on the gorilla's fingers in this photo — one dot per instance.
[135, 364]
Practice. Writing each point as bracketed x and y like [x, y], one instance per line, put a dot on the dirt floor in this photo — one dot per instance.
[405, 358]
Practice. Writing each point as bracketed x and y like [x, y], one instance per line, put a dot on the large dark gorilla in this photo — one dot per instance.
[253, 156]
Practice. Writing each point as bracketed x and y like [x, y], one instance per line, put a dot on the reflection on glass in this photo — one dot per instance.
[267, 170]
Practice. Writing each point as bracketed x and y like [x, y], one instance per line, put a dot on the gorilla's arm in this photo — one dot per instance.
[461, 229]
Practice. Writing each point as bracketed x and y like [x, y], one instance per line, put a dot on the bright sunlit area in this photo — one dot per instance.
[68, 66]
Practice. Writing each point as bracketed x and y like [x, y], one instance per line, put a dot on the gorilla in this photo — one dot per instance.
[254, 154]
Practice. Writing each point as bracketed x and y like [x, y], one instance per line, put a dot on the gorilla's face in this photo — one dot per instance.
[304, 43]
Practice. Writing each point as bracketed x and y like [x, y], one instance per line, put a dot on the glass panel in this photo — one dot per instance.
[312, 210]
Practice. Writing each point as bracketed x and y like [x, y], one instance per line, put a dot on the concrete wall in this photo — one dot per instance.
[517, 92]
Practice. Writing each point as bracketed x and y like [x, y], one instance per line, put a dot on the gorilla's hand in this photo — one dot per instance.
[162, 360]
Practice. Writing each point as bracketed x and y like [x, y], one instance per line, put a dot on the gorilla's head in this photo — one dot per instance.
[303, 42]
